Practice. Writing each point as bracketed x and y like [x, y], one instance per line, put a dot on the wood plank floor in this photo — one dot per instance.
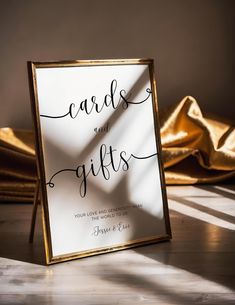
[196, 267]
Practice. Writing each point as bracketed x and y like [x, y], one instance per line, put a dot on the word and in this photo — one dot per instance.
[102, 129]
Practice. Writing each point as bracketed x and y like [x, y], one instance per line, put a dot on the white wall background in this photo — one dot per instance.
[193, 43]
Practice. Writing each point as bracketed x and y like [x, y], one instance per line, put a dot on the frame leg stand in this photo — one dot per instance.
[34, 212]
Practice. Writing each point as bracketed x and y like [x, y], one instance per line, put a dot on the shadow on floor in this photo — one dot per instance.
[198, 247]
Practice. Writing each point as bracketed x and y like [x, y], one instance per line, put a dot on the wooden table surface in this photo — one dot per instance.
[196, 267]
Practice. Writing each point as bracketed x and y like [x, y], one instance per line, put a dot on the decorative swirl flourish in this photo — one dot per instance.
[82, 172]
[89, 106]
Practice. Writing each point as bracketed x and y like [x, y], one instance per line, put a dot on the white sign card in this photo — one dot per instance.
[99, 156]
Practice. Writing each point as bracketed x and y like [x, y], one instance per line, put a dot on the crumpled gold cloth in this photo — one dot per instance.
[17, 165]
[196, 149]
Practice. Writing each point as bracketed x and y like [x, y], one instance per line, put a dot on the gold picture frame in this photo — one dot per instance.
[55, 84]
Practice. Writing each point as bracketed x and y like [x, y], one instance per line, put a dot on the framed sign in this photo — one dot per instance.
[99, 156]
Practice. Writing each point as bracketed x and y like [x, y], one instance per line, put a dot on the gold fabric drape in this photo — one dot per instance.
[17, 165]
[196, 149]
